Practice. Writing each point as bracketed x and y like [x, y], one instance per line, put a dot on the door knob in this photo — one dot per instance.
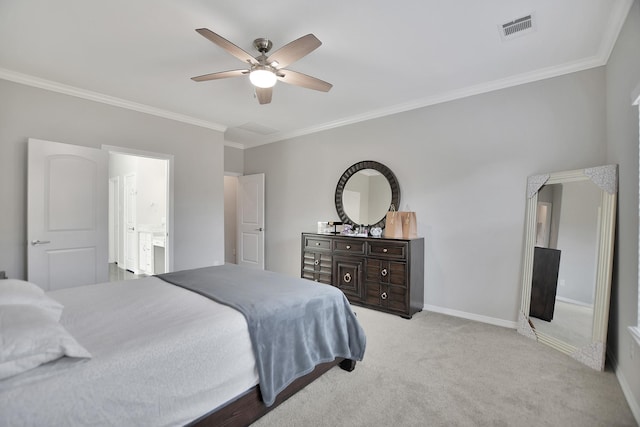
[259, 229]
[40, 242]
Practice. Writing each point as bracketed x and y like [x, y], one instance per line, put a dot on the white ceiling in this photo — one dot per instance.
[382, 57]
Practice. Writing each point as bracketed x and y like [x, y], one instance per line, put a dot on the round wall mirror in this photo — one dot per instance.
[365, 193]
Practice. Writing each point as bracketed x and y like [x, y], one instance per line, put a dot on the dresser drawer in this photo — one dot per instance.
[347, 275]
[350, 247]
[386, 272]
[387, 249]
[317, 277]
[316, 266]
[392, 298]
[316, 261]
[315, 243]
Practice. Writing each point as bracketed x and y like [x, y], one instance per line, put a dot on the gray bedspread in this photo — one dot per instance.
[294, 323]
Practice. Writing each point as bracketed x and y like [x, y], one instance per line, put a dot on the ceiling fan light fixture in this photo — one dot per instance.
[263, 77]
[264, 71]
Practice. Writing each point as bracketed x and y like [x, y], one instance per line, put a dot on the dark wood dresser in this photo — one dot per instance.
[544, 282]
[379, 273]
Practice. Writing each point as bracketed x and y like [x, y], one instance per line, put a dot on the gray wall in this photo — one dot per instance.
[462, 166]
[233, 160]
[198, 163]
[623, 78]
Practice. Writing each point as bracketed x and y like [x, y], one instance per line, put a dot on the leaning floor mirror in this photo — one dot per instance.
[567, 261]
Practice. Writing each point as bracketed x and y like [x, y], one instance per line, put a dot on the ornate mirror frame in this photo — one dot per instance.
[366, 164]
[606, 178]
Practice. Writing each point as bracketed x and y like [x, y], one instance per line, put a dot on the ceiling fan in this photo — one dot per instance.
[265, 70]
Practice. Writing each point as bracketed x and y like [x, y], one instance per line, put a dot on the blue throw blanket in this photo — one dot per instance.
[294, 324]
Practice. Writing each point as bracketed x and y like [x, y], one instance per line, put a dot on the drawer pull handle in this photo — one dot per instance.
[316, 262]
[348, 247]
[384, 272]
[384, 295]
[347, 278]
[385, 250]
[317, 243]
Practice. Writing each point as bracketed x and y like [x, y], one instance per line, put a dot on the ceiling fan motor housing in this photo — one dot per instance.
[262, 45]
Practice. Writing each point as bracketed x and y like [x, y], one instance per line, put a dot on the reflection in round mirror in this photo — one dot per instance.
[366, 197]
[365, 193]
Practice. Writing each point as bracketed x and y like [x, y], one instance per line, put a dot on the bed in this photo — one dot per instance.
[175, 349]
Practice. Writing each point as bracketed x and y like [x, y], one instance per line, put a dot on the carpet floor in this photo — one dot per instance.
[438, 370]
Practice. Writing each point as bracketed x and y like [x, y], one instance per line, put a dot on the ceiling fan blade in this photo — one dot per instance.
[299, 79]
[295, 50]
[227, 45]
[220, 75]
[264, 94]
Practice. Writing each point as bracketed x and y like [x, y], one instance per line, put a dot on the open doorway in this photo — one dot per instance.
[139, 214]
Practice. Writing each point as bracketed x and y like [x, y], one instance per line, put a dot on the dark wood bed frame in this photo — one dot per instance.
[249, 407]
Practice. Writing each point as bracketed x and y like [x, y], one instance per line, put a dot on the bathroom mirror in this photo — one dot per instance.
[567, 261]
[365, 193]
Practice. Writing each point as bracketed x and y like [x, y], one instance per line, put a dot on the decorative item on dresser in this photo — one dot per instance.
[378, 273]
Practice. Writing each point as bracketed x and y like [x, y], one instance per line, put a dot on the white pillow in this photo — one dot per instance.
[14, 292]
[30, 337]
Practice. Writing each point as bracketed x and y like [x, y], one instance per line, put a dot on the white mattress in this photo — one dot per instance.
[162, 355]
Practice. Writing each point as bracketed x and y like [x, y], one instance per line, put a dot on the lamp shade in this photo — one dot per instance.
[262, 77]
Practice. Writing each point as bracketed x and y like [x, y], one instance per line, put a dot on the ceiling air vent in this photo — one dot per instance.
[517, 27]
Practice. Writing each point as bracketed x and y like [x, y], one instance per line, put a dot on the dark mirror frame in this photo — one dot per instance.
[367, 164]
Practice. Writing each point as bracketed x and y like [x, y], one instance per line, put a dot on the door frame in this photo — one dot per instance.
[131, 246]
[169, 158]
[114, 220]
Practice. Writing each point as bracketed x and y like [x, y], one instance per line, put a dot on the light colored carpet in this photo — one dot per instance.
[437, 370]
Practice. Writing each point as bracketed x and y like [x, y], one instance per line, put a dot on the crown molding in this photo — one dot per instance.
[28, 80]
[616, 22]
[531, 77]
[234, 144]
[614, 26]
[546, 73]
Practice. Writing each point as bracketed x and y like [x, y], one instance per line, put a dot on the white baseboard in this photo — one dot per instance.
[472, 316]
[634, 405]
[574, 302]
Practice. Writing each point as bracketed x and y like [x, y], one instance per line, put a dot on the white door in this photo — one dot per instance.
[250, 212]
[67, 224]
[130, 217]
